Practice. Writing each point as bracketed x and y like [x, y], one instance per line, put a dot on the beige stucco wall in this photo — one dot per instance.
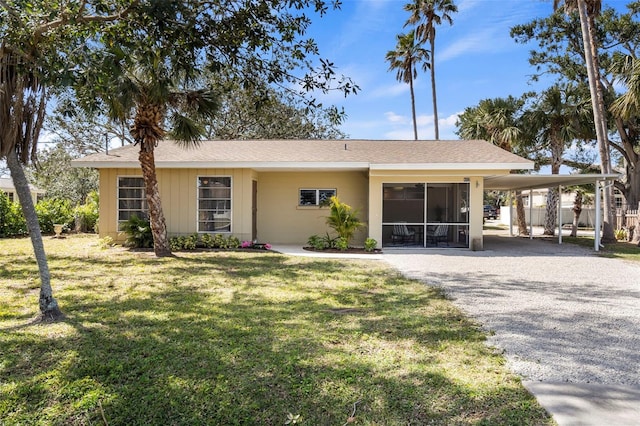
[281, 220]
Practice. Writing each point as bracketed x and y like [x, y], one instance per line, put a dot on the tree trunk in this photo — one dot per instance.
[433, 84]
[49, 309]
[577, 210]
[551, 212]
[597, 103]
[156, 215]
[413, 107]
[520, 214]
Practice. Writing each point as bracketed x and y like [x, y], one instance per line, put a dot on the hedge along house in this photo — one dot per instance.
[408, 193]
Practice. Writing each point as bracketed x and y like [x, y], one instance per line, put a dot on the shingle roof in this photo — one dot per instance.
[319, 154]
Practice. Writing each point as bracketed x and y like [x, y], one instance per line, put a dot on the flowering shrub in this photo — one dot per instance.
[252, 245]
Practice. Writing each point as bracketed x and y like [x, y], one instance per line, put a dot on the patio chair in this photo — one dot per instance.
[440, 233]
[401, 233]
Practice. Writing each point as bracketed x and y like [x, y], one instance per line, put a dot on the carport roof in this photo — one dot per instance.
[516, 182]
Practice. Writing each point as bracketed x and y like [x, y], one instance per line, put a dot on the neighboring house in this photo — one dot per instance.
[539, 198]
[275, 190]
[6, 186]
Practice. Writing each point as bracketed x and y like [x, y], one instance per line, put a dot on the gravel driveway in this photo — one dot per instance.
[559, 312]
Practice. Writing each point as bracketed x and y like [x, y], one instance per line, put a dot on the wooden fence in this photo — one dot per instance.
[627, 219]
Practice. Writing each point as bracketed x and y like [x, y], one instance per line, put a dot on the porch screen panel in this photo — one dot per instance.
[214, 204]
[403, 202]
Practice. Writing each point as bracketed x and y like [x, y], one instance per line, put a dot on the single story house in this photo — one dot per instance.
[408, 193]
[6, 186]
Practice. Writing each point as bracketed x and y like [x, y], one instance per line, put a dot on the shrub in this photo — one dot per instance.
[54, 210]
[620, 234]
[219, 241]
[12, 222]
[370, 244]
[317, 242]
[233, 242]
[190, 242]
[86, 215]
[138, 232]
[342, 244]
[343, 219]
[207, 240]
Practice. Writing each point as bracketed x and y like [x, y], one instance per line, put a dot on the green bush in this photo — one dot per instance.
[86, 215]
[12, 222]
[370, 244]
[207, 240]
[53, 211]
[342, 244]
[233, 242]
[138, 232]
[316, 242]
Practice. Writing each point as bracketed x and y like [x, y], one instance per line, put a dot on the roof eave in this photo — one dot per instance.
[454, 166]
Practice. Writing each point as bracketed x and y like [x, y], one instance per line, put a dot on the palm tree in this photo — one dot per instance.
[497, 121]
[149, 95]
[404, 59]
[425, 14]
[561, 115]
[588, 10]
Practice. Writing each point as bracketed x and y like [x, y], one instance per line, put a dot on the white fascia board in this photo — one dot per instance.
[454, 166]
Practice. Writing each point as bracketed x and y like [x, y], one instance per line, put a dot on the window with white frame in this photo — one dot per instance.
[131, 199]
[214, 204]
[315, 197]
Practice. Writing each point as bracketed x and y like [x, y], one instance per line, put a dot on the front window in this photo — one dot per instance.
[315, 197]
[131, 199]
[214, 204]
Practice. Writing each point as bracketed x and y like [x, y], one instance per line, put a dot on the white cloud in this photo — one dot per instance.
[394, 118]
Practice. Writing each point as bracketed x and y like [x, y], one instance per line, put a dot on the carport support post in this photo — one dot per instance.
[530, 213]
[560, 214]
[596, 238]
[511, 213]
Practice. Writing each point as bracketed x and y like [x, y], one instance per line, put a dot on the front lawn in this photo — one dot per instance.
[222, 338]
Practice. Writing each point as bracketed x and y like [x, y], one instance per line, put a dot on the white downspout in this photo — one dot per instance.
[596, 238]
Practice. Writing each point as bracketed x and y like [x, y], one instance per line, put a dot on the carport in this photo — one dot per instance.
[518, 182]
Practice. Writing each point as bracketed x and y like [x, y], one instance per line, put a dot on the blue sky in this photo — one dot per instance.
[475, 59]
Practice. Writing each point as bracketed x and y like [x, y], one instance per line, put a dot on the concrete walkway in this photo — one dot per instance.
[567, 320]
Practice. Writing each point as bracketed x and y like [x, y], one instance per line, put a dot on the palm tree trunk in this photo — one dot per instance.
[597, 102]
[156, 215]
[520, 215]
[551, 211]
[577, 210]
[49, 309]
[413, 108]
[433, 87]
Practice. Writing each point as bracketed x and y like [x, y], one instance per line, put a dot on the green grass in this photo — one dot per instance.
[620, 249]
[240, 338]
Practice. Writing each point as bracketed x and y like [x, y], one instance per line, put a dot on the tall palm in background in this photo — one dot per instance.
[562, 116]
[499, 122]
[588, 10]
[404, 60]
[424, 14]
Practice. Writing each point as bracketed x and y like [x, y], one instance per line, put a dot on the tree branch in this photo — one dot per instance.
[65, 18]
